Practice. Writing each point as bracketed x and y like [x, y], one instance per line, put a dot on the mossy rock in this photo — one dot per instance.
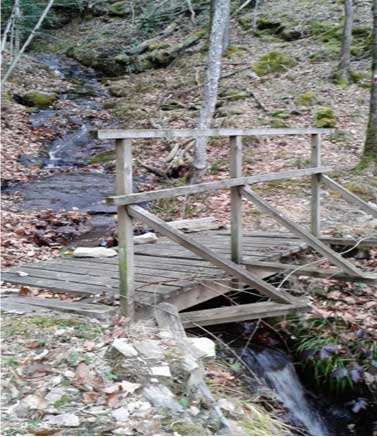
[246, 21]
[158, 46]
[38, 99]
[325, 117]
[102, 157]
[234, 51]
[306, 99]
[226, 111]
[273, 62]
[278, 123]
[119, 9]
[181, 427]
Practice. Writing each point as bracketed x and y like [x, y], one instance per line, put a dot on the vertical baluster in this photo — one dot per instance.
[316, 193]
[236, 199]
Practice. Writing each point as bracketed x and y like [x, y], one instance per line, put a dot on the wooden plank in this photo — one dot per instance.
[125, 228]
[116, 134]
[239, 313]
[315, 187]
[148, 196]
[196, 225]
[350, 197]
[236, 199]
[202, 251]
[296, 270]
[101, 312]
[312, 241]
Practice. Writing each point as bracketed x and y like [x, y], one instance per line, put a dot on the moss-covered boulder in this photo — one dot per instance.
[325, 117]
[38, 99]
[120, 8]
[306, 99]
[273, 62]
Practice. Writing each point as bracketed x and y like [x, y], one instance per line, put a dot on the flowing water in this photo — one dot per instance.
[279, 373]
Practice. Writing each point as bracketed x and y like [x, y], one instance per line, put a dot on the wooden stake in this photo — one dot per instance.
[316, 192]
[236, 199]
[125, 229]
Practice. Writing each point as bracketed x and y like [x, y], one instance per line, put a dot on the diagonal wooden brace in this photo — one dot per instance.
[230, 267]
[306, 236]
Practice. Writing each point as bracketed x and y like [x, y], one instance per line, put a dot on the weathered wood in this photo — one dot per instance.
[207, 254]
[312, 241]
[196, 225]
[149, 196]
[116, 134]
[350, 197]
[239, 313]
[296, 270]
[101, 312]
[125, 228]
[315, 186]
[236, 199]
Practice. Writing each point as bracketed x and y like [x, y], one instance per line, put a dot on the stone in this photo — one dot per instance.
[205, 346]
[39, 99]
[34, 402]
[161, 371]
[94, 252]
[150, 349]
[67, 419]
[124, 347]
[121, 414]
[226, 405]
[147, 238]
[139, 408]
[161, 397]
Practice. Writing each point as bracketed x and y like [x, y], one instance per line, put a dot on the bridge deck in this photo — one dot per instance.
[165, 271]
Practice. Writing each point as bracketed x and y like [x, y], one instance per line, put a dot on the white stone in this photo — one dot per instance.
[94, 252]
[160, 371]
[121, 414]
[149, 237]
[226, 405]
[150, 349]
[139, 408]
[194, 411]
[66, 419]
[204, 346]
[124, 347]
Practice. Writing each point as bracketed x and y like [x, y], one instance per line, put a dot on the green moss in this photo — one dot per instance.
[158, 46]
[281, 113]
[277, 123]
[306, 99]
[187, 428]
[325, 117]
[102, 157]
[234, 51]
[39, 99]
[234, 94]
[63, 401]
[273, 62]
[119, 8]
[246, 21]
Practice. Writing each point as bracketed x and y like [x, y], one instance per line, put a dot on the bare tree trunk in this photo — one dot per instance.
[370, 148]
[28, 41]
[344, 66]
[213, 70]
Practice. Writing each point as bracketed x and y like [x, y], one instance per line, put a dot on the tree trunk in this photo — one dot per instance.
[370, 148]
[343, 73]
[220, 15]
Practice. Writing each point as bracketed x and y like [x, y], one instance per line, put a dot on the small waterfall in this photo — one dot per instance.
[280, 375]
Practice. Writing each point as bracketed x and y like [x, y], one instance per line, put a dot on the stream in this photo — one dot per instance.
[72, 185]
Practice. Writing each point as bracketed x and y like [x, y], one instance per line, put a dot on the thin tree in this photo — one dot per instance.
[370, 147]
[344, 66]
[219, 17]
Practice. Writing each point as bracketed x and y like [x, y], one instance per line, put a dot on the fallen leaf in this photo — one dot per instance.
[89, 397]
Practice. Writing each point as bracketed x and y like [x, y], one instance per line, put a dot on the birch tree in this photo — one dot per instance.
[370, 147]
[344, 66]
[220, 15]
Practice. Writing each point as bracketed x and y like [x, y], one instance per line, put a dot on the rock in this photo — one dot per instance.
[66, 419]
[161, 371]
[139, 408]
[38, 98]
[161, 397]
[205, 346]
[35, 402]
[150, 349]
[149, 237]
[121, 414]
[273, 62]
[125, 386]
[19, 410]
[125, 348]
[226, 405]
[94, 252]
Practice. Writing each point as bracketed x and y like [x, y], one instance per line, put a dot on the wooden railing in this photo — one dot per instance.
[126, 202]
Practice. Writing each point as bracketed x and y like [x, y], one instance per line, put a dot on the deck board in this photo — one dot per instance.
[164, 270]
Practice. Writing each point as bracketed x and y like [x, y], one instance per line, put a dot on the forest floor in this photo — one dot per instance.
[170, 97]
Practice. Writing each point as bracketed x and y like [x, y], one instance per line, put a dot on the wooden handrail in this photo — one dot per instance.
[118, 134]
[148, 196]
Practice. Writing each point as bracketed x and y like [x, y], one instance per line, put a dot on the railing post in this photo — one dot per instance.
[125, 229]
[316, 193]
[236, 198]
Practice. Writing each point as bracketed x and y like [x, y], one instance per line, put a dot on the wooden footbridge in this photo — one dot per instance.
[188, 269]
